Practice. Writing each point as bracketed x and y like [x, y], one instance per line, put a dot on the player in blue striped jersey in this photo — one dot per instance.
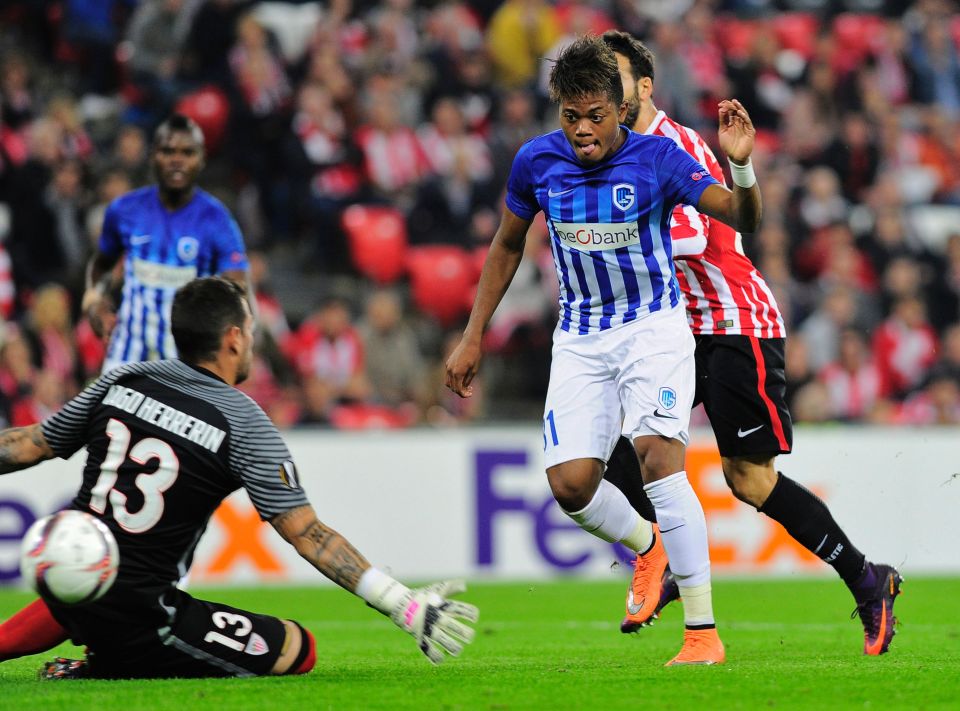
[166, 234]
[623, 354]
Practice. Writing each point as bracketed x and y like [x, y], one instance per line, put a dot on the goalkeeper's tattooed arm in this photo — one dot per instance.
[325, 549]
[437, 623]
[22, 447]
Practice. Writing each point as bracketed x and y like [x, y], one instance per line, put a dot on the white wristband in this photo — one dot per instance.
[743, 175]
[380, 591]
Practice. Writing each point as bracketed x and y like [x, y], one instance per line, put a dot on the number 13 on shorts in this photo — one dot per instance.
[549, 431]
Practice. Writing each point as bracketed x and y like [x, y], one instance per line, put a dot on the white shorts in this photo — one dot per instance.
[638, 379]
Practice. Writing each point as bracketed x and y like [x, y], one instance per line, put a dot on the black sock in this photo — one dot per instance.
[808, 520]
[623, 471]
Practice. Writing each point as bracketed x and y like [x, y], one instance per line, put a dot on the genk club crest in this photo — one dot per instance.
[624, 195]
[187, 248]
[668, 398]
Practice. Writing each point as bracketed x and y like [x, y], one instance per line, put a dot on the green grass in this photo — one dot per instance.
[556, 645]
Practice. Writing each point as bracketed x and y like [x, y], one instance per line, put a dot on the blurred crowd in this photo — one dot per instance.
[363, 146]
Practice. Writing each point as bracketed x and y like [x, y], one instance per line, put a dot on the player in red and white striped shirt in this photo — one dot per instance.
[740, 380]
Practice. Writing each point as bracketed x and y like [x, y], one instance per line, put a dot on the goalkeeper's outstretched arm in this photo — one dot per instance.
[435, 622]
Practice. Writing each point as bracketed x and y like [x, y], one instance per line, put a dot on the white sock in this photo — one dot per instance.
[684, 531]
[611, 517]
[697, 603]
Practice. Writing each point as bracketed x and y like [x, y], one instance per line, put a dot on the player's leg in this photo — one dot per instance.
[581, 423]
[623, 471]
[201, 639]
[657, 389]
[30, 631]
[652, 586]
[747, 409]
[299, 652]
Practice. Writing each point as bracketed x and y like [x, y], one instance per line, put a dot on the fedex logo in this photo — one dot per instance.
[558, 540]
[594, 236]
[528, 523]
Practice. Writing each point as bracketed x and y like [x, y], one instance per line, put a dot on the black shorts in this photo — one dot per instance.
[199, 639]
[741, 383]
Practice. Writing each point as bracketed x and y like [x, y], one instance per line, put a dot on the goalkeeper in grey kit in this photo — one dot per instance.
[155, 486]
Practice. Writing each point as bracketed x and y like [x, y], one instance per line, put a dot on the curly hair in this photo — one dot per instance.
[587, 67]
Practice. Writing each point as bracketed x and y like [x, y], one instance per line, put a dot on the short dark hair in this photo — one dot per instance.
[584, 68]
[203, 310]
[178, 123]
[641, 58]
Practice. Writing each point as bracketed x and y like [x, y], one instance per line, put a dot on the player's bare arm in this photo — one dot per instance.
[741, 207]
[437, 623]
[325, 549]
[501, 264]
[22, 447]
[97, 304]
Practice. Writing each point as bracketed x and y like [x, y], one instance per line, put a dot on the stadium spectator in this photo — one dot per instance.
[821, 330]
[18, 102]
[393, 158]
[853, 383]
[328, 354]
[392, 357]
[49, 331]
[130, 153]
[322, 172]
[459, 168]
[936, 403]
[155, 36]
[519, 34]
[905, 346]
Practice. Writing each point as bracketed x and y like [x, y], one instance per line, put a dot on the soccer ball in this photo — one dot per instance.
[69, 557]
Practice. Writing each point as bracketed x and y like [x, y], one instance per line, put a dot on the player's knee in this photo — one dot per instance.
[307, 658]
[572, 493]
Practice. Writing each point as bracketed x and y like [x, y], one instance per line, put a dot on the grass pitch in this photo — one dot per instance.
[790, 644]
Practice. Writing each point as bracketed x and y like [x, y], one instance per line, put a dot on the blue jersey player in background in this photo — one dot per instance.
[622, 353]
[167, 234]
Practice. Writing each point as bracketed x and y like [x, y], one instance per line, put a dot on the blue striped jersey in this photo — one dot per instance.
[164, 250]
[609, 223]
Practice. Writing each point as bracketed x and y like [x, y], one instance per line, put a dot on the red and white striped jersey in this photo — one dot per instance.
[724, 292]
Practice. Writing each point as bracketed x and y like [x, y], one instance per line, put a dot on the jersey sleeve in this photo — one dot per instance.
[521, 199]
[682, 180]
[261, 462]
[66, 430]
[231, 254]
[111, 238]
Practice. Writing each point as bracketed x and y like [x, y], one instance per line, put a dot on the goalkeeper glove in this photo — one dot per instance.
[425, 613]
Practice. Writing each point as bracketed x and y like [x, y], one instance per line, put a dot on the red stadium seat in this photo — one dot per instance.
[371, 417]
[854, 35]
[442, 278]
[209, 107]
[735, 36]
[377, 237]
[797, 31]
